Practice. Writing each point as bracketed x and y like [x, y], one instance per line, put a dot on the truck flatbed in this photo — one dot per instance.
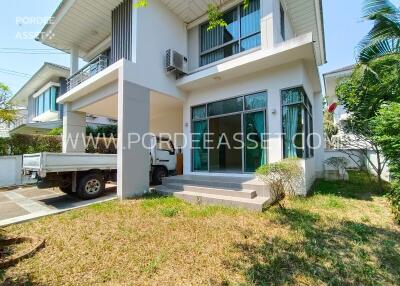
[44, 163]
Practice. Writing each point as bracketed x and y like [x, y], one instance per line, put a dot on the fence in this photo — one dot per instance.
[11, 172]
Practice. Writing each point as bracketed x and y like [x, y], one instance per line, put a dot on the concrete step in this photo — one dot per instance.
[221, 182]
[254, 204]
[248, 194]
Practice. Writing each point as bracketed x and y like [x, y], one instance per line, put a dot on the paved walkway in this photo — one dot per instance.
[29, 203]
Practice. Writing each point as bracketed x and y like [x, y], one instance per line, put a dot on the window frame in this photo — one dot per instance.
[282, 21]
[307, 121]
[43, 108]
[243, 112]
[238, 41]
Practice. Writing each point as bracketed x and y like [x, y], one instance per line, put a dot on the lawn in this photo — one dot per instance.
[342, 235]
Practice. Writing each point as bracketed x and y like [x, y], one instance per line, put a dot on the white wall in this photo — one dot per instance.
[309, 175]
[11, 172]
[156, 29]
[170, 123]
[335, 153]
[373, 157]
[277, 24]
[272, 81]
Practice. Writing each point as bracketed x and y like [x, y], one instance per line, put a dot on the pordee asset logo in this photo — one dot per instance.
[206, 141]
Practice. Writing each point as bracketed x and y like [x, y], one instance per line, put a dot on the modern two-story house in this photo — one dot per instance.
[38, 97]
[160, 69]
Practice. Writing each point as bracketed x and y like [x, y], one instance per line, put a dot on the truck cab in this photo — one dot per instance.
[162, 159]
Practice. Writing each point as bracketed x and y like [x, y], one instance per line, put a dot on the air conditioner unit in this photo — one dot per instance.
[175, 62]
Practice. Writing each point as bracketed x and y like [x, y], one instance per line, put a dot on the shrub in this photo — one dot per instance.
[19, 144]
[386, 132]
[394, 197]
[339, 164]
[283, 178]
[27, 144]
[56, 131]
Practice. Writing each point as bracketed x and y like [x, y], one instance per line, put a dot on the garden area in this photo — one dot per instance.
[343, 234]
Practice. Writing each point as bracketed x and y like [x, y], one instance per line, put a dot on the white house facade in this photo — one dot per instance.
[258, 75]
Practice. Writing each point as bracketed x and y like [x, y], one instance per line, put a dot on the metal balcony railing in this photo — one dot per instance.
[18, 122]
[93, 67]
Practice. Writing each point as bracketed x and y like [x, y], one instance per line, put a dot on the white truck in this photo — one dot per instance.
[86, 174]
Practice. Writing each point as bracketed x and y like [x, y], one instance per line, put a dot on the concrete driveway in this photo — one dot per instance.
[29, 203]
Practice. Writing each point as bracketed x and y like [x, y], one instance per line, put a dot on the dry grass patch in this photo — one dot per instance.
[343, 235]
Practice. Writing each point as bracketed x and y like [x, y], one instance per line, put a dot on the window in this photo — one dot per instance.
[226, 106]
[241, 33]
[282, 18]
[255, 101]
[199, 112]
[297, 124]
[46, 101]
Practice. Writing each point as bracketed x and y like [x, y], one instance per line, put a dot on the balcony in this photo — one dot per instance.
[22, 120]
[92, 68]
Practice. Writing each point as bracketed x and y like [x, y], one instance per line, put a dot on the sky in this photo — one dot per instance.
[21, 19]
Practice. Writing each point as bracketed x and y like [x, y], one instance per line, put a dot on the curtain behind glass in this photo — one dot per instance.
[290, 128]
[250, 19]
[220, 35]
[200, 154]
[254, 152]
[53, 98]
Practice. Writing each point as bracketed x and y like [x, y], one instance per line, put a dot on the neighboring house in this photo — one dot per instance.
[331, 80]
[342, 140]
[258, 75]
[38, 98]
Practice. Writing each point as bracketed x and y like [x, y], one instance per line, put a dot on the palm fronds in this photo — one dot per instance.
[384, 37]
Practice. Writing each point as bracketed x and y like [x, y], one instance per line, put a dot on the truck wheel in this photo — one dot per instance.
[158, 174]
[90, 186]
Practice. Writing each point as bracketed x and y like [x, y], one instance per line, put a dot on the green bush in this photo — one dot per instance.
[27, 144]
[19, 144]
[283, 178]
[387, 134]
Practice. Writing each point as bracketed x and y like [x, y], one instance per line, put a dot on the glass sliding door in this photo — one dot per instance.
[230, 135]
[225, 151]
[254, 132]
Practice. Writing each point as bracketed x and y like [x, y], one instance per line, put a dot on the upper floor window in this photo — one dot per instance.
[282, 18]
[242, 33]
[46, 101]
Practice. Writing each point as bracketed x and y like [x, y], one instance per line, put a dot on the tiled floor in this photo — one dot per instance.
[28, 203]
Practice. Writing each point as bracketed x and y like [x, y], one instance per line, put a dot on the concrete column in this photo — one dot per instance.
[267, 24]
[74, 130]
[133, 123]
[318, 119]
[74, 60]
[274, 122]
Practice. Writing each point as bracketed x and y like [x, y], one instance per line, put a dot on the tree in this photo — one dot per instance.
[362, 94]
[386, 133]
[8, 112]
[358, 141]
[384, 37]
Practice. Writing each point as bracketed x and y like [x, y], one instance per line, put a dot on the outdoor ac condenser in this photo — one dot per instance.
[175, 62]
